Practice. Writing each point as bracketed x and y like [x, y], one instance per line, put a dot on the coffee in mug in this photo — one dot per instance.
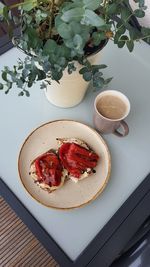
[111, 107]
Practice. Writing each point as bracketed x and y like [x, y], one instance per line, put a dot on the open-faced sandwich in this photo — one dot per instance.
[74, 160]
[47, 171]
[77, 158]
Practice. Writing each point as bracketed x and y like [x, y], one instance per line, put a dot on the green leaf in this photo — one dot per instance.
[112, 8]
[29, 5]
[122, 29]
[6, 13]
[32, 38]
[105, 27]
[57, 75]
[25, 73]
[141, 2]
[62, 61]
[117, 37]
[96, 68]
[108, 80]
[4, 76]
[85, 35]
[71, 68]
[65, 30]
[102, 66]
[98, 81]
[76, 27]
[26, 93]
[125, 14]
[139, 13]
[69, 43]
[42, 85]
[30, 83]
[134, 33]
[83, 70]
[122, 41]
[50, 47]
[74, 14]
[119, 23]
[21, 93]
[19, 83]
[124, 37]
[68, 6]
[39, 16]
[29, 18]
[65, 52]
[145, 31]
[7, 91]
[87, 76]
[41, 74]
[130, 45]
[9, 85]
[91, 18]
[98, 37]
[77, 40]
[58, 20]
[1, 86]
[92, 4]
[146, 34]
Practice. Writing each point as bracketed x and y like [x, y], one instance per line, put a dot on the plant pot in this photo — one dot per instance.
[72, 88]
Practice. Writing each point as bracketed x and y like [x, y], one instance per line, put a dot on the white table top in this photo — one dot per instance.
[73, 230]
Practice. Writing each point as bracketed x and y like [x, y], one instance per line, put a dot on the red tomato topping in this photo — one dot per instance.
[49, 169]
[76, 159]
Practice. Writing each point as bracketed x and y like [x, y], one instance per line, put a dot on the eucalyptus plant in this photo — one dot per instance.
[54, 34]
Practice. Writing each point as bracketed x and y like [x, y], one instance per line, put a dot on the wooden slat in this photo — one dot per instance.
[7, 225]
[18, 246]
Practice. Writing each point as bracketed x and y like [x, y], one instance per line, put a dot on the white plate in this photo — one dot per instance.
[71, 195]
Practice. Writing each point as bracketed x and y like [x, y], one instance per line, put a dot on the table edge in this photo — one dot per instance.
[96, 251]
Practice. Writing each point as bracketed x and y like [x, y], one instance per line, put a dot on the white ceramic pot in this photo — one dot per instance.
[72, 88]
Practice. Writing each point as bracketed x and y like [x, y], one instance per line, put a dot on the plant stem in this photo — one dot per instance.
[105, 2]
[138, 39]
[51, 17]
[132, 13]
[105, 7]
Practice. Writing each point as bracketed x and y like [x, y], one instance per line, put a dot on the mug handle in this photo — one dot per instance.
[125, 128]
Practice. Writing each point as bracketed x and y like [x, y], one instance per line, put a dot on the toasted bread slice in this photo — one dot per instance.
[87, 171]
[41, 183]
